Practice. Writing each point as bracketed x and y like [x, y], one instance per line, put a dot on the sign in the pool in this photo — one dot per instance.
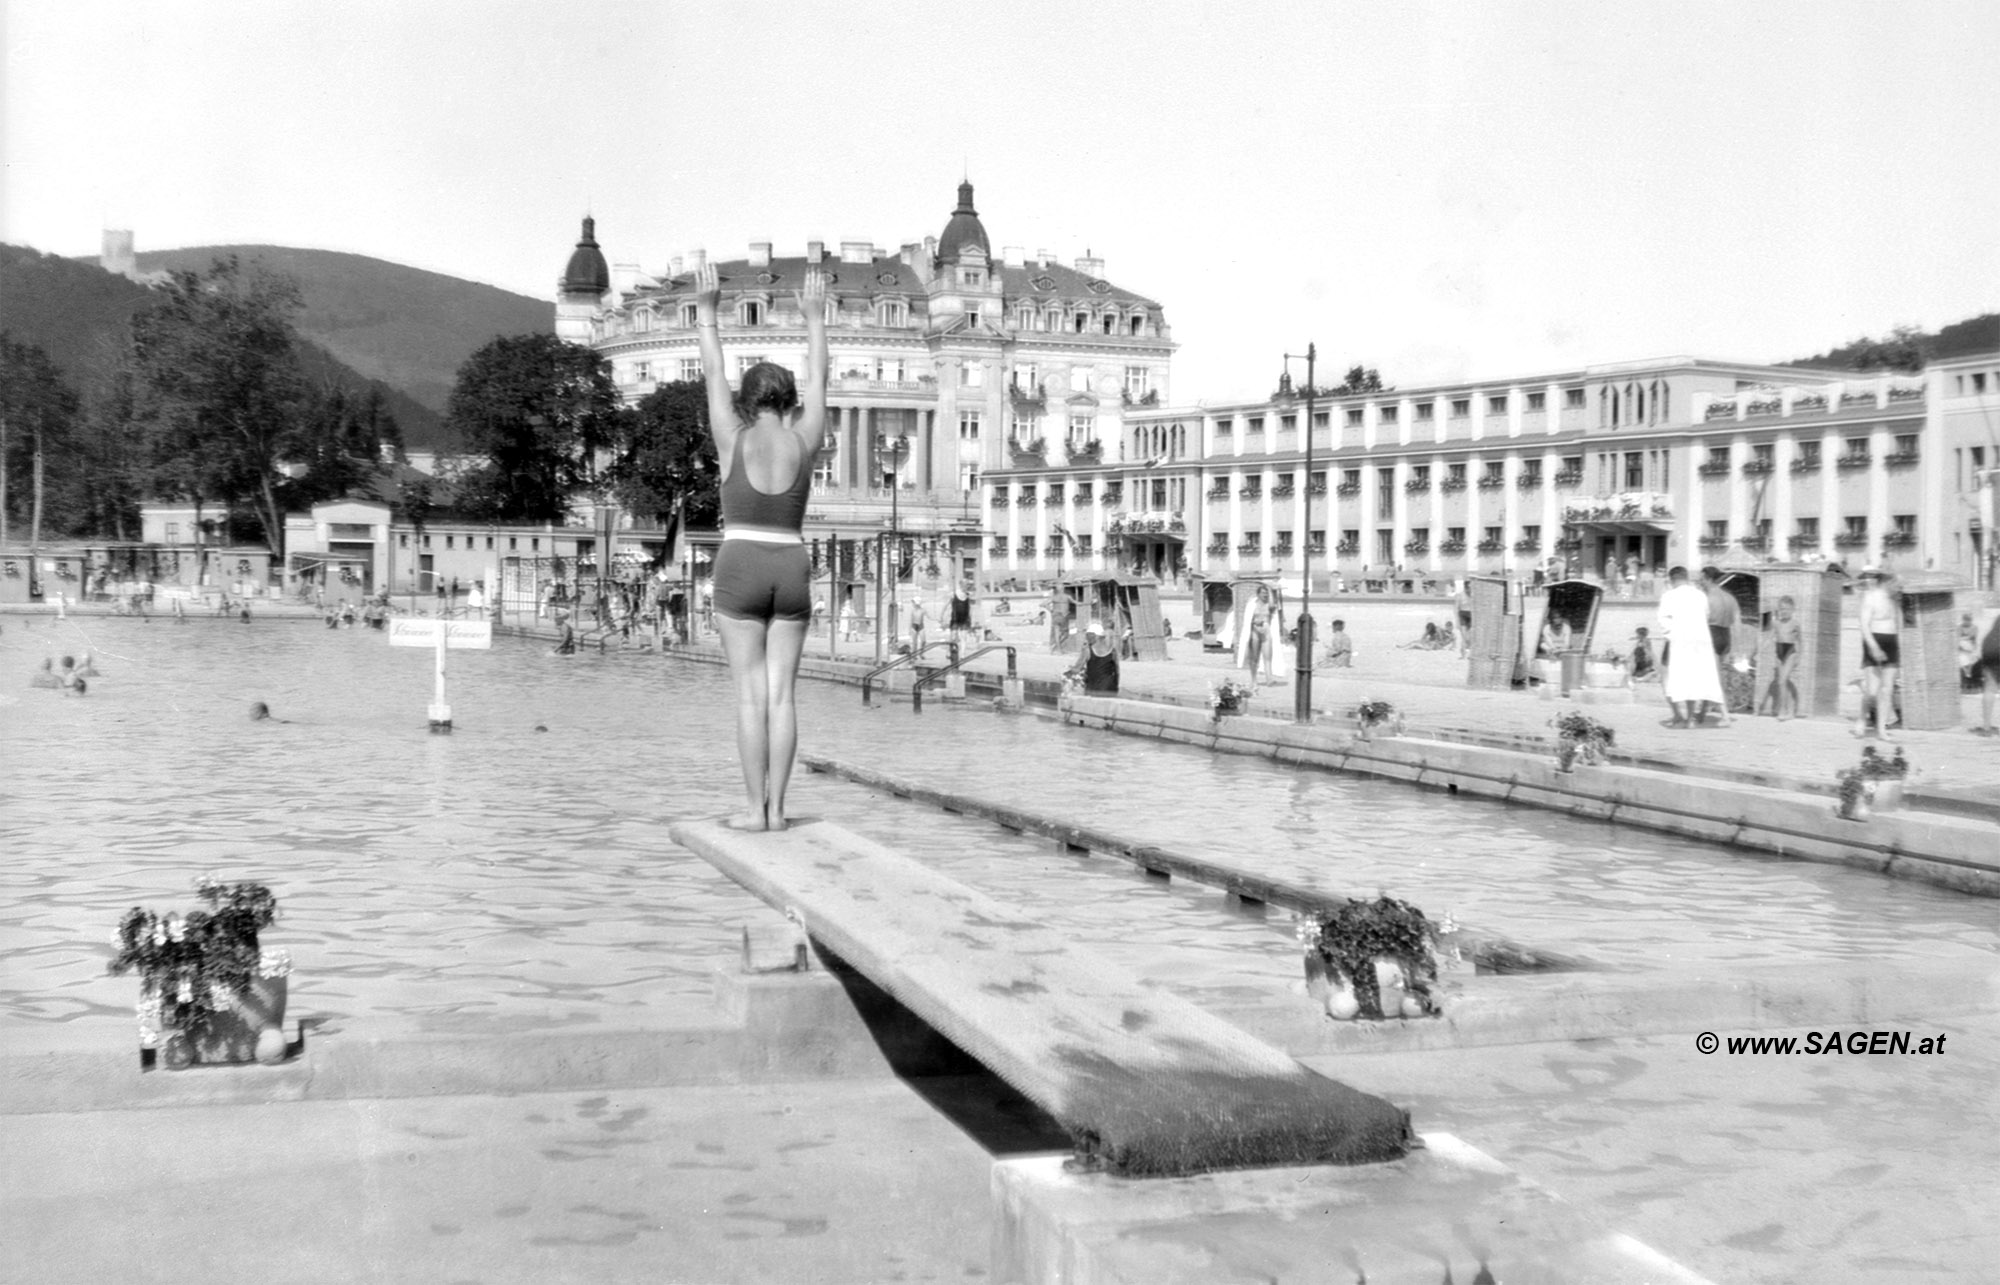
[474, 634]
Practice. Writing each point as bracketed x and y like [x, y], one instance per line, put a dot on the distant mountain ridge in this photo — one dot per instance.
[408, 327]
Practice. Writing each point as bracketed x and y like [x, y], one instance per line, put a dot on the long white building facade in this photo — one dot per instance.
[1014, 415]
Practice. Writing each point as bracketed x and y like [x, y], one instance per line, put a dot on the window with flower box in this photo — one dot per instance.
[1252, 542]
[1531, 476]
[1905, 453]
[1253, 486]
[1317, 484]
[1856, 454]
[1350, 481]
[1420, 478]
[1854, 535]
[1530, 541]
[1219, 490]
[1454, 540]
[1282, 488]
[1350, 543]
[1807, 536]
[1571, 472]
[1492, 541]
[1904, 535]
[999, 497]
[1282, 544]
[1419, 541]
[1218, 544]
[1493, 478]
[1454, 478]
[1806, 460]
[1763, 459]
[1717, 463]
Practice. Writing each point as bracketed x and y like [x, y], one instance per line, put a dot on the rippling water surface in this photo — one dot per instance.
[504, 875]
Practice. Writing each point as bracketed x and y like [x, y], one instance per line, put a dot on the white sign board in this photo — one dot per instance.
[476, 635]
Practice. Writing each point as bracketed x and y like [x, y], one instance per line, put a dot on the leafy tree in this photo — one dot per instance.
[663, 456]
[340, 445]
[537, 409]
[1361, 379]
[218, 380]
[90, 486]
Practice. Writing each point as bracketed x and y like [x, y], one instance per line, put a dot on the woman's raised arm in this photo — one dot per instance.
[812, 391]
[722, 423]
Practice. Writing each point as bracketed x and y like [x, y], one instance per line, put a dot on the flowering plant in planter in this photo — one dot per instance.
[1373, 959]
[1227, 697]
[1874, 780]
[1373, 714]
[202, 976]
[1578, 735]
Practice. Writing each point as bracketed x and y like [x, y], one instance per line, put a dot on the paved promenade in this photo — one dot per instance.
[1428, 688]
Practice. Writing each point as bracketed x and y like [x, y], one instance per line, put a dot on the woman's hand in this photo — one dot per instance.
[812, 294]
[707, 287]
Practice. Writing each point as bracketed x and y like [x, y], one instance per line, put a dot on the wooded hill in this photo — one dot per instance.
[80, 315]
[407, 327]
[1908, 348]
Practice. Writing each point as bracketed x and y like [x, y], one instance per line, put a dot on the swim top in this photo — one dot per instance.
[744, 505]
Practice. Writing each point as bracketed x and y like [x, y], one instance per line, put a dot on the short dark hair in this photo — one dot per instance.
[1340, 624]
[1678, 573]
[1711, 573]
[765, 386]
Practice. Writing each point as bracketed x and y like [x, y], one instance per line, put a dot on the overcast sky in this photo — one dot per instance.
[1438, 190]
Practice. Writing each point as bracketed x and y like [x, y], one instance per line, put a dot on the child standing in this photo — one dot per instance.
[1785, 642]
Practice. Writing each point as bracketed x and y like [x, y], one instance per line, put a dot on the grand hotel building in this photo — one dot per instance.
[1018, 411]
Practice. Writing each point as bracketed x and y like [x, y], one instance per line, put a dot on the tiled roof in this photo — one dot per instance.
[889, 275]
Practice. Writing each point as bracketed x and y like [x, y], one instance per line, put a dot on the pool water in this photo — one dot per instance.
[506, 877]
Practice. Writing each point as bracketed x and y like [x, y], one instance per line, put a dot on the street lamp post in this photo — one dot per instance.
[1303, 679]
[885, 567]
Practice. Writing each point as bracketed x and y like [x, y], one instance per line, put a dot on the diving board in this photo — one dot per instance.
[1146, 1083]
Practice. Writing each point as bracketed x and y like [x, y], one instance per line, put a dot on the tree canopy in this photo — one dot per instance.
[1360, 379]
[227, 416]
[664, 454]
[537, 410]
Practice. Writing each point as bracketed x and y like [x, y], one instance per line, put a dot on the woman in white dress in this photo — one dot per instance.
[1688, 657]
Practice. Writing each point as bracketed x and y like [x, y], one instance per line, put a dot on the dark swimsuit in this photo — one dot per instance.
[755, 580]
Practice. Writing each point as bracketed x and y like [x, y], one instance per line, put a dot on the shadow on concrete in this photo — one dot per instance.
[956, 1084]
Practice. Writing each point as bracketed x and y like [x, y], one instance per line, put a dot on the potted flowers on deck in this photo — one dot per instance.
[1579, 737]
[1875, 783]
[1377, 716]
[1373, 959]
[1227, 697]
[208, 993]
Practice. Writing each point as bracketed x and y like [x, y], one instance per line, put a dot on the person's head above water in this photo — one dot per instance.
[766, 386]
[259, 710]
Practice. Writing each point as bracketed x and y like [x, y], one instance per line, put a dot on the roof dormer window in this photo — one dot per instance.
[687, 315]
[892, 312]
[750, 313]
[971, 277]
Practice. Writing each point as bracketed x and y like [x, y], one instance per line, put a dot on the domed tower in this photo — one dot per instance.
[584, 284]
[963, 230]
[964, 279]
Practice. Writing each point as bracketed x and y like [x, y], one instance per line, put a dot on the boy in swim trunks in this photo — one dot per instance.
[1785, 643]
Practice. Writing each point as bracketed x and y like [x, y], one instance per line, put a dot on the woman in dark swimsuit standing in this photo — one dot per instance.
[766, 435]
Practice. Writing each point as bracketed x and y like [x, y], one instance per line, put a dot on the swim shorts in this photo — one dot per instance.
[1785, 651]
[757, 581]
[1891, 653]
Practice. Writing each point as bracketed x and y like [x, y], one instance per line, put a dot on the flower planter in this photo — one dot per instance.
[1885, 794]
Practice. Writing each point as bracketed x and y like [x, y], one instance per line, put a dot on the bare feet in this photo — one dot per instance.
[750, 821]
[777, 823]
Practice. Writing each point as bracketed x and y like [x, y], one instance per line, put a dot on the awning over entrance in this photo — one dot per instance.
[1620, 526]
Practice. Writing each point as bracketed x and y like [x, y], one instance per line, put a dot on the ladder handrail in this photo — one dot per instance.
[907, 658]
[957, 663]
